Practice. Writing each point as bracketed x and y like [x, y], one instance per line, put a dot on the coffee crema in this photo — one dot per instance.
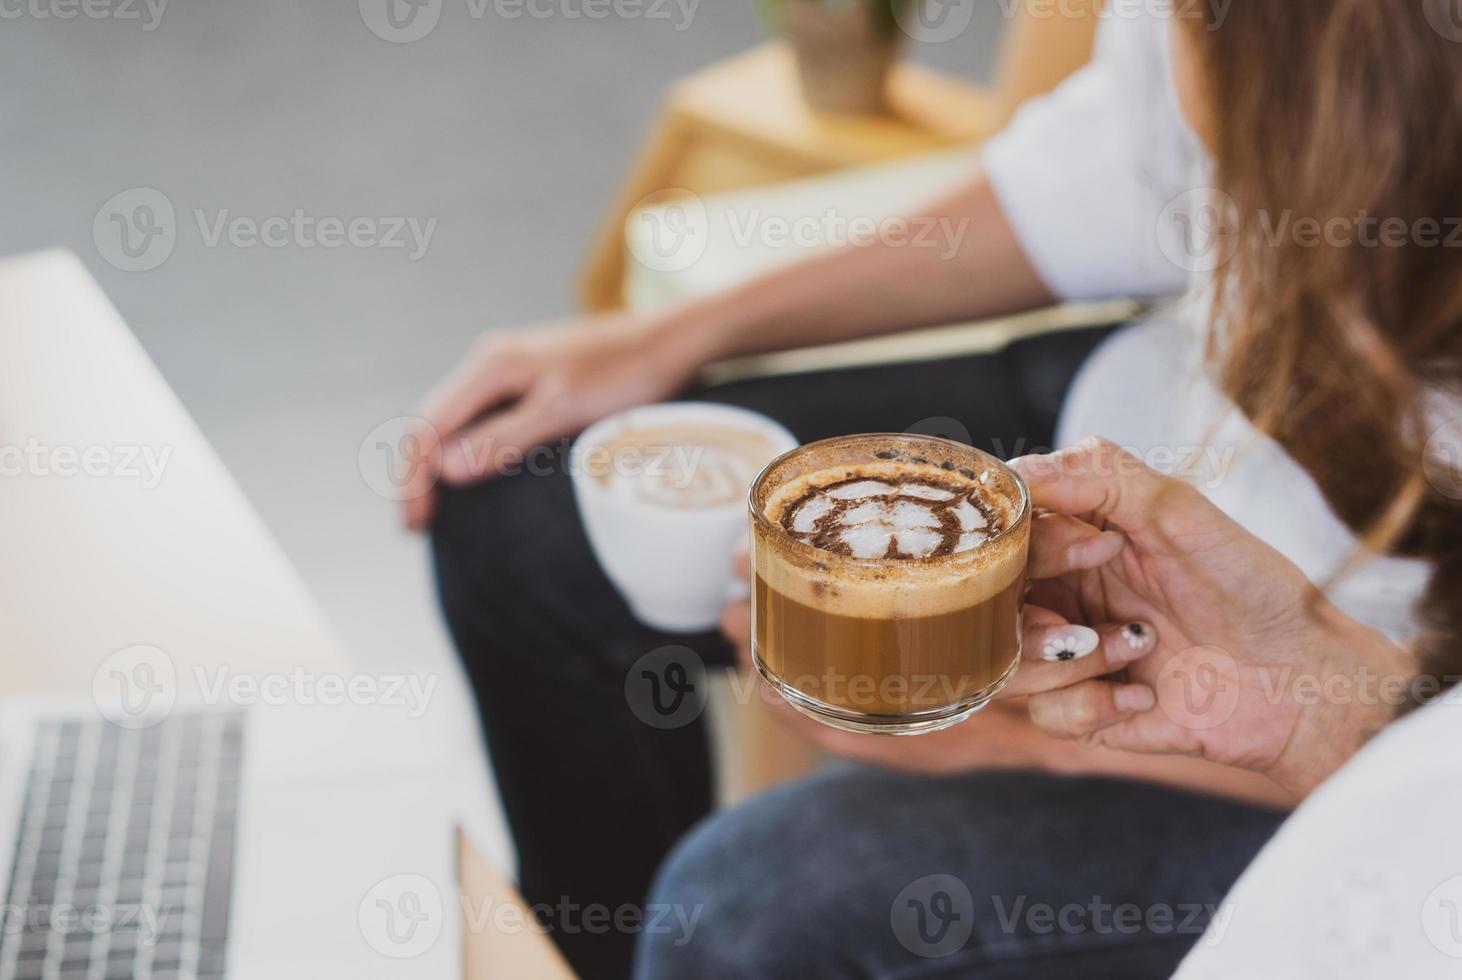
[683, 466]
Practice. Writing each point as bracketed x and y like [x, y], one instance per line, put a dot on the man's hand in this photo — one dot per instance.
[519, 388]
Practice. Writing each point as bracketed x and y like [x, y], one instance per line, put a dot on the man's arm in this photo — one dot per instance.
[971, 267]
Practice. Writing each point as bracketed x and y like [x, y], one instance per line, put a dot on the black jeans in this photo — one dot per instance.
[595, 798]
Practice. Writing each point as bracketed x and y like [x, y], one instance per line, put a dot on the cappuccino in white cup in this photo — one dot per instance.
[662, 493]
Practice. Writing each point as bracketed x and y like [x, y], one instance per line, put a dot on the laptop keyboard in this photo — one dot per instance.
[125, 851]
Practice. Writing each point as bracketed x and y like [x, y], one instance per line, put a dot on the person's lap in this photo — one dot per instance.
[594, 795]
[856, 872]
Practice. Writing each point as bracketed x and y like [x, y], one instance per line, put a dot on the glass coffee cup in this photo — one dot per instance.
[888, 576]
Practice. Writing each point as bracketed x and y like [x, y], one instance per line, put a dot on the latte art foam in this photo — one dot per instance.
[892, 509]
[903, 516]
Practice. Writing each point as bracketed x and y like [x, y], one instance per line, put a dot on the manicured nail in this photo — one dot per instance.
[1137, 640]
[1070, 643]
[1134, 697]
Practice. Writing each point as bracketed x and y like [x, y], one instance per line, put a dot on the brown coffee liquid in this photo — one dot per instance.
[894, 665]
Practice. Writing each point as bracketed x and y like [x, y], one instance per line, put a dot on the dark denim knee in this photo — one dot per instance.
[740, 895]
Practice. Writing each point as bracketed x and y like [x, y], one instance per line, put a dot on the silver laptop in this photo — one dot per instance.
[207, 842]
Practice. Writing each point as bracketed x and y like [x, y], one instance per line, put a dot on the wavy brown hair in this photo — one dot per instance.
[1345, 112]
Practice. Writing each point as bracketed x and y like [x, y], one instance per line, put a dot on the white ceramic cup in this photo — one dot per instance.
[671, 563]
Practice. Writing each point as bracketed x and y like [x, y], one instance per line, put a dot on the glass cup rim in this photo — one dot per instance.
[761, 520]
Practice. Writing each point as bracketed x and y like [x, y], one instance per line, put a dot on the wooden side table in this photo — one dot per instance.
[743, 122]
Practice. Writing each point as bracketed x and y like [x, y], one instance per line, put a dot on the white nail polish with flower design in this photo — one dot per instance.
[1139, 637]
[1069, 643]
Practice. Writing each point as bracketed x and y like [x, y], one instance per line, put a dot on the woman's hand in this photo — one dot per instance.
[519, 388]
[1249, 665]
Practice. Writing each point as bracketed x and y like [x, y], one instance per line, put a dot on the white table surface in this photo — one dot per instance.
[97, 563]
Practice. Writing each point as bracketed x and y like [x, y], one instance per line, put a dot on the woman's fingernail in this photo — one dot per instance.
[1070, 643]
[1134, 697]
[1137, 640]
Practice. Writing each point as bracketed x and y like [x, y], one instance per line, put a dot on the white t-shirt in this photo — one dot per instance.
[1105, 184]
[1101, 180]
[1364, 880]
